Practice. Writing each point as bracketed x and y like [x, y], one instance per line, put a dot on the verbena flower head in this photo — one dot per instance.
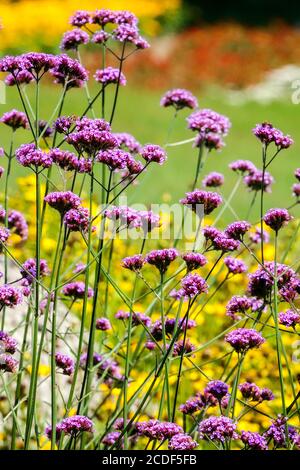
[10, 296]
[217, 388]
[213, 180]
[68, 161]
[277, 433]
[297, 174]
[179, 99]
[68, 72]
[209, 200]
[115, 159]
[73, 39]
[64, 362]
[111, 438]
[224, 244]
[182, 442]
[4, 235]
[80, 18]
[296, 190]
[267, 134]
[236, 305]
[250, 391]
[73, 426]
[29, 156]
[234, 265]
[103, 324]
[125, 17]
[127, 142]
[15, 119]
[194, 260]
[63, 201]
[8, 363]
[209, 140]
[191, 406]
[182, 347]
[243, 339]
[126, 32]
[219, 429]
[91, 136]
[8, 343]
[44, 129]
[192, 285]
[29, 271]
[255, 236]
[63, 124]
[160, 430]
[110, 75]
[237, 230]
[242, 166]
[78, 220]
[261, 281]
[16, 223]
[22, 78]
[133, 263]
[254, 441]
[290, 318]
[255, 181]
[37, 63]
[104, 16]
[77, 290]
[207, 120]
[100, 37]
[277, 218]
[153, 153]
[161, 259]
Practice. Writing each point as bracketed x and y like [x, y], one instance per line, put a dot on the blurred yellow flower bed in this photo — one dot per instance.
[44, 21]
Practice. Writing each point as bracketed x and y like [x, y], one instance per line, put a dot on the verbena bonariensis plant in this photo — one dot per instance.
[180, 373]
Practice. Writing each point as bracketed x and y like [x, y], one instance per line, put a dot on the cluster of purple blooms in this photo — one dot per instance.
[77, 290]
[250, 391]
[243, 339]
[73, 426]
[132, 218]
[8, 347]
[199, 198]
[211, 126]
[65, 363]
[107, 369]
[213, 180]
[179, 99]
[16, 222]
[268, 134]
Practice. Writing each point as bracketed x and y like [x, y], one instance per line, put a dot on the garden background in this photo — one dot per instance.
[241, 60]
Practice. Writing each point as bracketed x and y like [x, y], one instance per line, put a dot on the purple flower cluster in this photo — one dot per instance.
[234, 265]
[63, 201]
[133, 263]
[161, 259]
[78, 220]
[256, 181]
[193, 260]
[9, 296]
[262, 280]
[64, 362]
[277, 218]
[73, 426]
[107, 369]
[91, 136]
[127, 142]
[211, 128]
[254, 441]
[182, 442]
[240, 304]
[68, 72]
[217, 388]
[243, 339]
[15, 119]
[28, 155]
[170, 326]
[73, 39]
[217, 240]
[237, 230]
[29, 271]
[250, 391]
[207, 199]
[267, 134]
[218, 429]
[103, 324]
[110, 75]
[8, 343]
[8, 363]
[281, 433]
[213, 180]
[160, 430]
[192, 285]
[100, 37]
[242, 166]
[68, 161]
[179, 99]
[131, 218]
[290, 318]
[16, 222]
[77, 290]
[255, 236]
[153, 153]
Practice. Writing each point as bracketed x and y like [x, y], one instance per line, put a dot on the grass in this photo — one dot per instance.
[140, 114]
